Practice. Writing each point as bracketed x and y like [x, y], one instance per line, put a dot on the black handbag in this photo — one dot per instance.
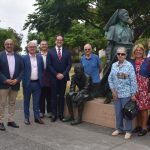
[130, 110]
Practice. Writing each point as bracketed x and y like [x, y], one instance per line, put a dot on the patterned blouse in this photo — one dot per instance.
[122, 79]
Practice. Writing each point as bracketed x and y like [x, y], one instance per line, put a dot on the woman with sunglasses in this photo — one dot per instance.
[123, 85]
[142, 68]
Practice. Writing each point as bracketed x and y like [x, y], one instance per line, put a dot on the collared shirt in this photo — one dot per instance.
[122, 79]
[148, 55]
[57, 50]
[92, 67]
[44, 55]
[11, 63]
[34, 67]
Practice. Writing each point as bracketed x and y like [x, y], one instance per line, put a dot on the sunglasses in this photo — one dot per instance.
[87, 49]
[121, 54]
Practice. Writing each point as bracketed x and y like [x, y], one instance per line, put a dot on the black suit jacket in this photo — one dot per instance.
[54, 65]
[4, 71]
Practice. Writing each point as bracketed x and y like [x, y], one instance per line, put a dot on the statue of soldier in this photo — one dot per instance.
[118, 34]
[77, 98]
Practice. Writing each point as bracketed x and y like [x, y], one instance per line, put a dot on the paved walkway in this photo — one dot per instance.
[63, 136]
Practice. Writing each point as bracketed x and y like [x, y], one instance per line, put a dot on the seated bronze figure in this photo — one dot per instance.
[77, 98]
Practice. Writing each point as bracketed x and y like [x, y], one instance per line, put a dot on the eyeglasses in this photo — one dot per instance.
[121, 54]
[87, 49]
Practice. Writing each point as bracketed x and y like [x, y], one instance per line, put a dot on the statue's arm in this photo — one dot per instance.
[86, 88]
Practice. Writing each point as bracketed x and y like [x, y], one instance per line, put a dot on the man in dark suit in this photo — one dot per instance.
[32, 82]
[11, 71]
[59, 64]
[45, 90]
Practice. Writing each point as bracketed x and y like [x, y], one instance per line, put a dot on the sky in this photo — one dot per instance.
[13, 13]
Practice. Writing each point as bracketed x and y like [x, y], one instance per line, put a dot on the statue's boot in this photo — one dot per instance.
[76, 122]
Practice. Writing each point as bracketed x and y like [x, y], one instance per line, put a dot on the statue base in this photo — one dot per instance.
[98, 113]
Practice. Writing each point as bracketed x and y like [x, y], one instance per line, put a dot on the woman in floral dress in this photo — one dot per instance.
[142, 69]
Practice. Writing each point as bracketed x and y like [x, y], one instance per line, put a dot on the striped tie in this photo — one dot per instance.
[59, 54]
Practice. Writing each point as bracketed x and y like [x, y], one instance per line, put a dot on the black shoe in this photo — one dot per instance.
[75, 122]
[148, 128]
[137, 129]
[67, 119]
[53, 119]
[61, 118]
[12, 124]
[2, 127]
[39, 121]
[27, 121]
[49, 115]
[142, 132]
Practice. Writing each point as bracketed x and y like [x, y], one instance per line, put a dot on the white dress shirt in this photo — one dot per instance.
[34, 67]
[44, 55]
[60, 50]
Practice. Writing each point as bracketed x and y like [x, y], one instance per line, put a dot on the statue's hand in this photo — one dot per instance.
[79, 97]
[71, 93]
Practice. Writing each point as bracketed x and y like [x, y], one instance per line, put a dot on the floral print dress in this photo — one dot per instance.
[142, 98]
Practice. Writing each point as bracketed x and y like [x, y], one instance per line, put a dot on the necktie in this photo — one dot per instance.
[59, 54]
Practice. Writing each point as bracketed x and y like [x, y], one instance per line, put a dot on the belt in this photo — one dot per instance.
[34, 80]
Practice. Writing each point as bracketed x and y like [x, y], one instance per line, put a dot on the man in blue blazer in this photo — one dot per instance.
[32, 82]
[59, 64]
[11, 71]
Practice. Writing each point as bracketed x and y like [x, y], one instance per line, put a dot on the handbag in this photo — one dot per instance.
[130, 110]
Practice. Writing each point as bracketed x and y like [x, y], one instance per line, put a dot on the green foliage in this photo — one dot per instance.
[57, 16]
[10, 34]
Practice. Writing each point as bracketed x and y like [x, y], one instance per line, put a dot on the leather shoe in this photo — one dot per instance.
[137, 129]
[39, 121]
[142, 132]
[2, 127]
[61, 118]
[53, 119]
[67, 119]
[27, 121]
[75, 122]
[12, 124]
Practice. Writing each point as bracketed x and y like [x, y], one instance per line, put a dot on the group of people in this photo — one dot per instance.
[44, 76]
[130, 80]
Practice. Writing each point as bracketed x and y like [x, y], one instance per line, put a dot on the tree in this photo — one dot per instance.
[10, 34]
[57, 15]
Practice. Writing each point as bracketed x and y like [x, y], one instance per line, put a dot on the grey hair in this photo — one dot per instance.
[31, 42]
[125, 50]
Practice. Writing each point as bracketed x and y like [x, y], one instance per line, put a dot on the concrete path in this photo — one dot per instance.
[63, 136]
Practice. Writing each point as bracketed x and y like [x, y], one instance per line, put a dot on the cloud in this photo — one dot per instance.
[13, 13]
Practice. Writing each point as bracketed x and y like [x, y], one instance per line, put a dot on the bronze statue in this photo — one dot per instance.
[118, 34]
[77, 98]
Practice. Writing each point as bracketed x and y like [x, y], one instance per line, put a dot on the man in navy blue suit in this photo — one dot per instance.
[45, 90]
[32, 82]
[59, 64]
[11, 71]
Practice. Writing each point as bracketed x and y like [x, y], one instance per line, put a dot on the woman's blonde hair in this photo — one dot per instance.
[135, 48]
